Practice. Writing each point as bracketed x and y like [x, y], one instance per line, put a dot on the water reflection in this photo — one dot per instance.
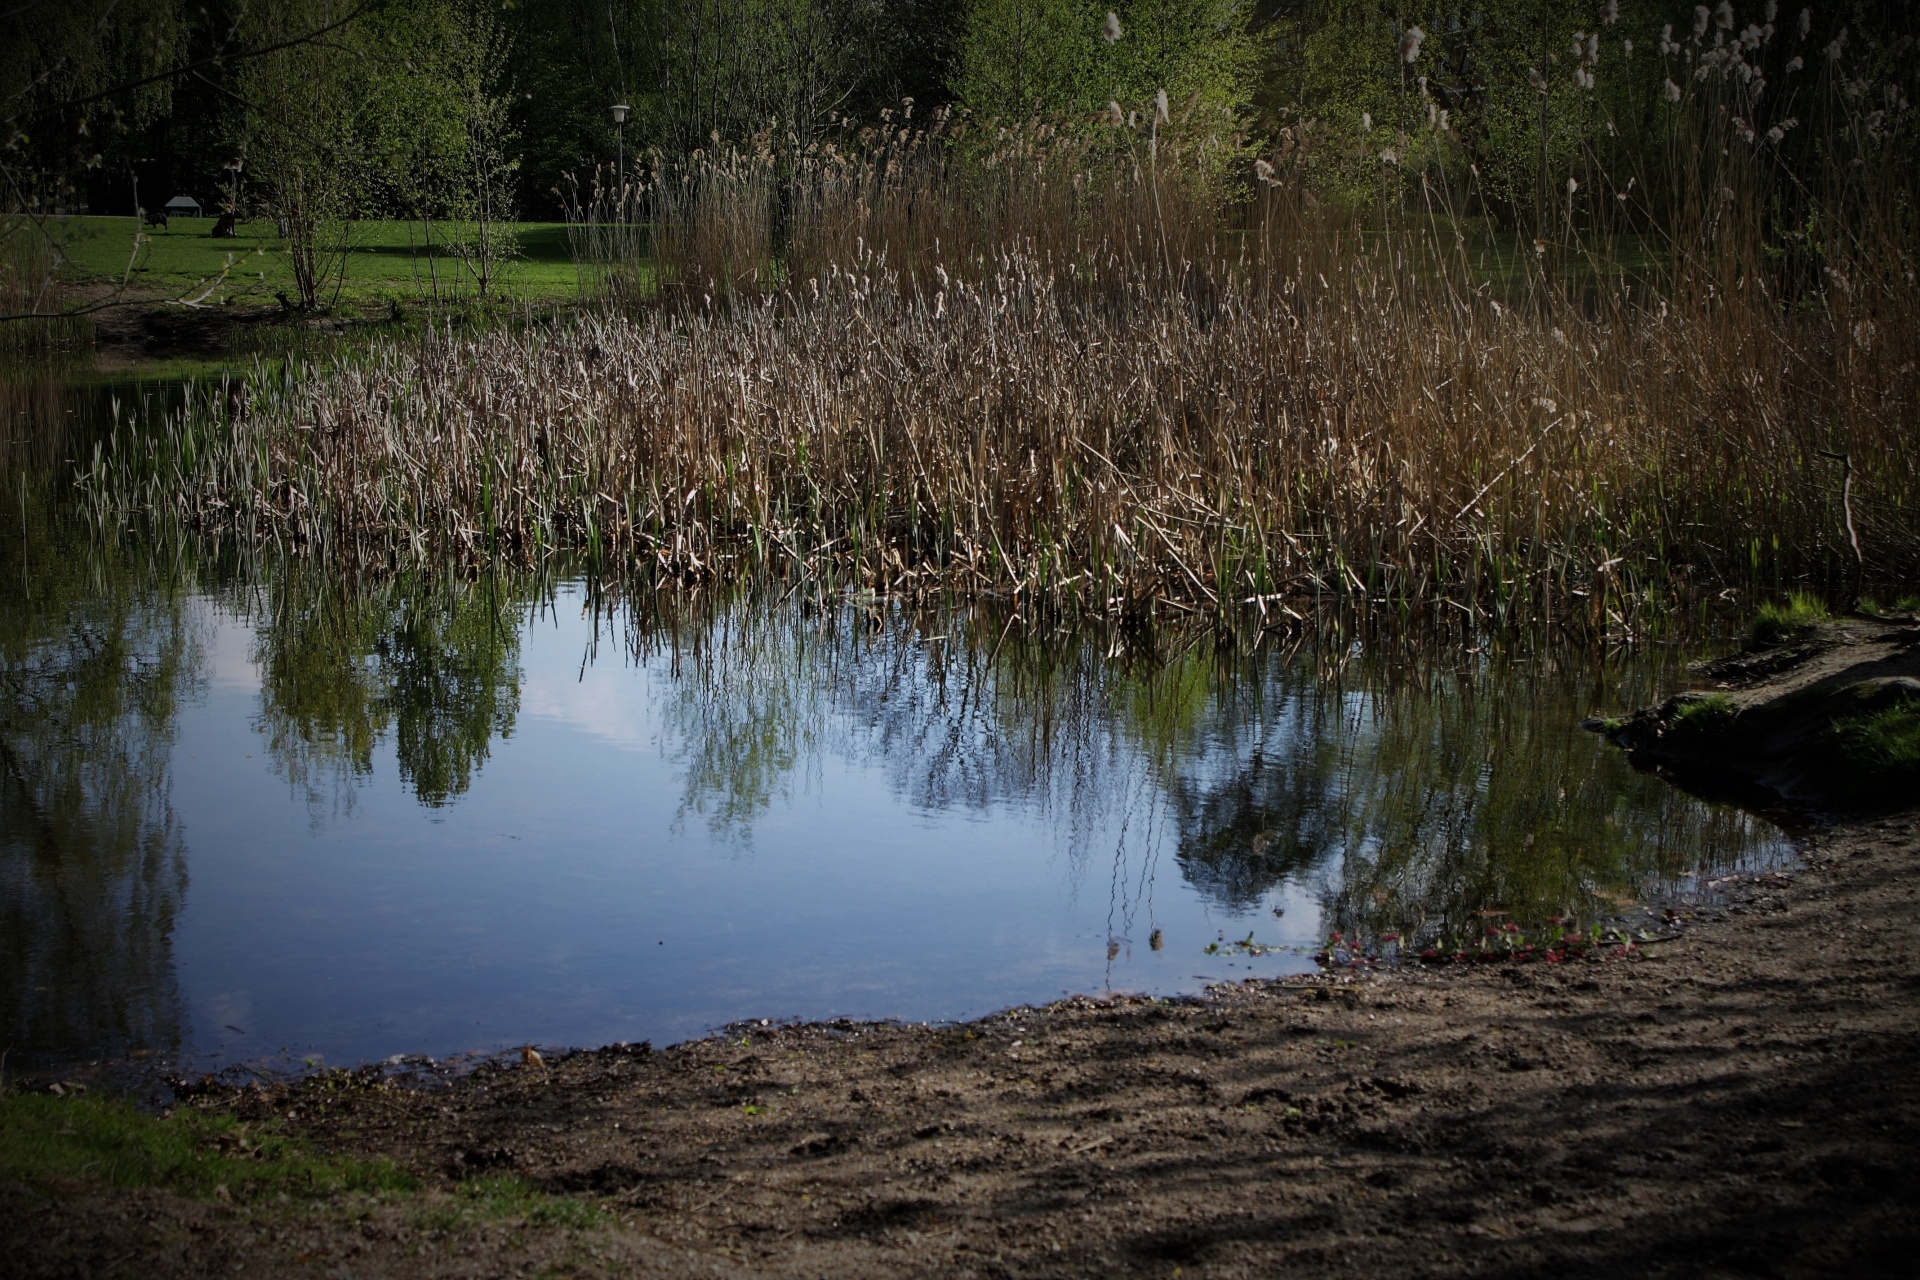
[346, 665]
[523, 809]
[1413, 782]
[96, 657]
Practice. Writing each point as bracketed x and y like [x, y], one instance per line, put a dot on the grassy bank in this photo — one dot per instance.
[384, 262]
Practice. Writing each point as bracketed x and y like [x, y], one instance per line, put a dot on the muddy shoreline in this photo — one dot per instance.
[1742, 1098]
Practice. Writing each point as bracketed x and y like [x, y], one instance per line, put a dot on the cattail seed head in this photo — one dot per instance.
[1160, 105]
[1700, 19]
[1723, 15]
[1110, 29]
[1671, 90]
[1410, 41]
[1610, 12]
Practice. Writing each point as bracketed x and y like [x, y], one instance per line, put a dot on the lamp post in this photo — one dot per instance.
[620, 132]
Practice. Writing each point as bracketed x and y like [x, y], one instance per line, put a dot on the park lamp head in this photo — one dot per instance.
[620, 113]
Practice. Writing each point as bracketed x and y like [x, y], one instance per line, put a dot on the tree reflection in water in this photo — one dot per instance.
[1408, 782]
[96, 655]
[432, 662]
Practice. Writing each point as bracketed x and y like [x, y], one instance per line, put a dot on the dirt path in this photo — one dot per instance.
[1741, 1100]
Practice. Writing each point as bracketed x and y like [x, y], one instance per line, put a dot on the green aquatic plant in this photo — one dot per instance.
[1795, 618]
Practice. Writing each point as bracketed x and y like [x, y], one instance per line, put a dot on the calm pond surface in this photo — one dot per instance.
[250, 812]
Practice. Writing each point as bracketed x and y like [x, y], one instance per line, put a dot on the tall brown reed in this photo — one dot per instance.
[1066, 366]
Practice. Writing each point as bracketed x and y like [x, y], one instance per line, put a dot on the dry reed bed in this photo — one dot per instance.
[1352, 434]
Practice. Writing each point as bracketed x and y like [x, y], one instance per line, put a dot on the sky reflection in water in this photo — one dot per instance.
[291, 820]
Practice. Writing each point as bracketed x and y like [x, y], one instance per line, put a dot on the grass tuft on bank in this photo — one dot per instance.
[477, 1201]
[1882, 748]
[1791, 620]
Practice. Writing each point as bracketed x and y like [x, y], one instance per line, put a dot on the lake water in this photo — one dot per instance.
[253, 812]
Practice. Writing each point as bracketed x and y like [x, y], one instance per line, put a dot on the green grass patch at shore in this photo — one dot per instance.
[1704, 714]
[1794, 618]
[1882, 746]
[48, 1139]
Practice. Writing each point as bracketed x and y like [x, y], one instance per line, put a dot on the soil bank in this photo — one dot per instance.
[1741, 1098]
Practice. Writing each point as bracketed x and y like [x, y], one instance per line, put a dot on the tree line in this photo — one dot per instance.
[468, 113]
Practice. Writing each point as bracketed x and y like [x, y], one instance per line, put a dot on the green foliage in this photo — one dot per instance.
[52, 1140]
[1018, 58]
[1025, 57]
[1795, 618]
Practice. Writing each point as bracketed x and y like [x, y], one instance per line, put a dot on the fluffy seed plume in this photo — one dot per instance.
[1110, 29]
[1410, 41]
[1723, 16]
[1700, 19]
[1160, 105]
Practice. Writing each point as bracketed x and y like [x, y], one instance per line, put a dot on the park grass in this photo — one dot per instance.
[386, 264]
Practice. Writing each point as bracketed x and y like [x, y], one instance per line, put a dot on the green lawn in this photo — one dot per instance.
[386, 261]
